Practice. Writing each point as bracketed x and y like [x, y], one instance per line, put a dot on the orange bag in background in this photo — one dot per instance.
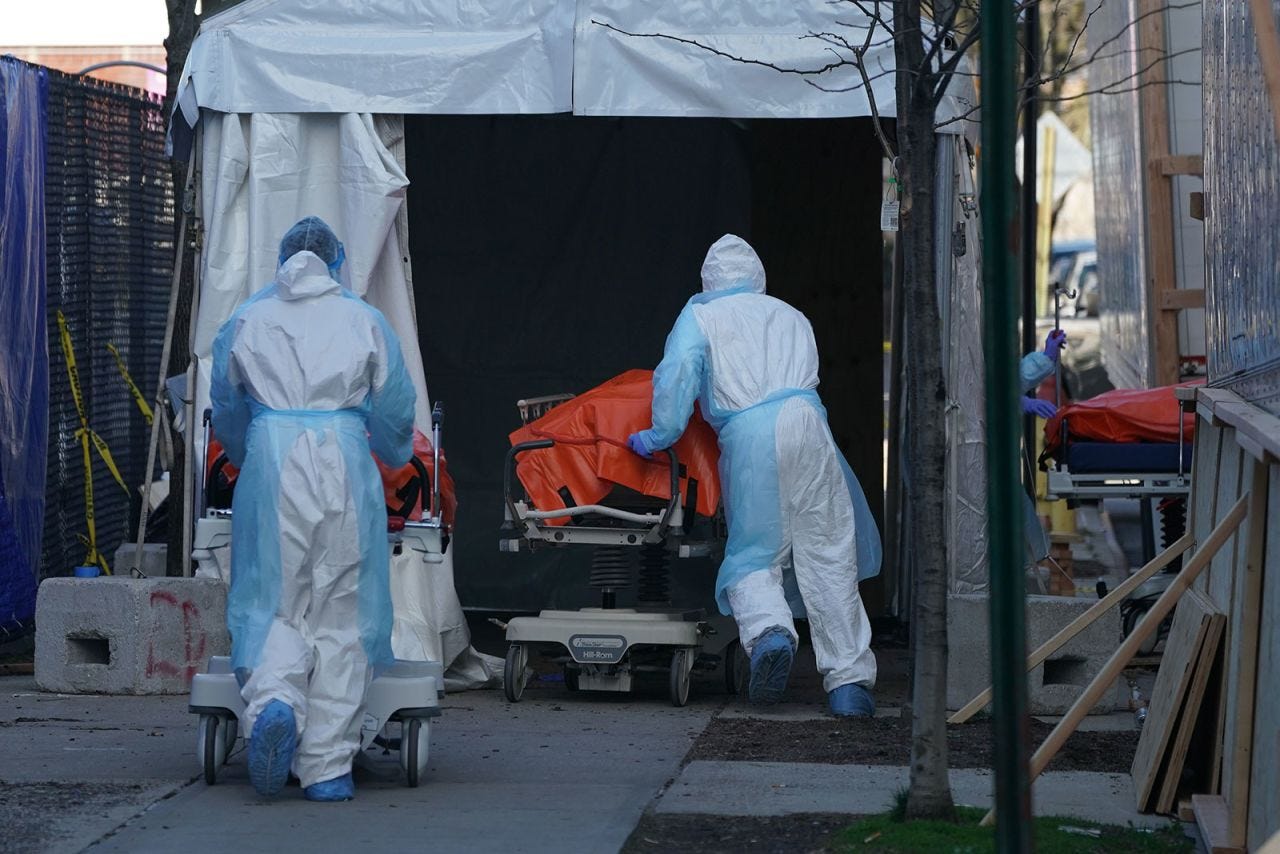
[395, 481]
[1122, 415]
[591, 453]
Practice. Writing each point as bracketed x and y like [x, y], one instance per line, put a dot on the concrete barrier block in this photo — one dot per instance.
[155, 559]
[116, 635]
[1054, 685]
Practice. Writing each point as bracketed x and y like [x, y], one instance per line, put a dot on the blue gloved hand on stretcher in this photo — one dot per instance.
[638, 443]
[1054, 343]
[1038, 408]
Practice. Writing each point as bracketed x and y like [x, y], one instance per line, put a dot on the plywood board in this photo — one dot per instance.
[1192, 708]
[1222, 570]
[1242, 653]
[1264, 803]
[1182, 651]
[1204, 488]
[1211, 821]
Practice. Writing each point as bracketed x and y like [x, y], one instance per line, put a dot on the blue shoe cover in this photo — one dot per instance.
[852, 701]
[271, 747]
[338, 789]
[771, 659]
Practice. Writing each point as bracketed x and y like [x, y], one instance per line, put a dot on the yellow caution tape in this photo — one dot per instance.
[133, 387]
[86, 435]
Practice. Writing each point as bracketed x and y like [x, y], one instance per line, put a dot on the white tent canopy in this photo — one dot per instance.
[589, 57]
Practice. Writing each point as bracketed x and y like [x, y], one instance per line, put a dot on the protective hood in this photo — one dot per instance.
[732, 264]
[304, 275]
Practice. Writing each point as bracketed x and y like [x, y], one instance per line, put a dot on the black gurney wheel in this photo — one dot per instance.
[735, 664]
[570, 679]
[513, 672]
[412, 744]
[1130, 622]
[209, 747]
[680, 677]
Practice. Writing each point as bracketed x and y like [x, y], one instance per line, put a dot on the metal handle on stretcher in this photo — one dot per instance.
[437, 419]
[672, 506]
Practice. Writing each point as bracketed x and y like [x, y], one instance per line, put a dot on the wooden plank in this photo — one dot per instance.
[1181, 653]
[1211, 821]
[1222, 572]
[1268, 41]
[1264, 803]
[1153, 98]
[1105, 680]
[1261, 427]
[1223, 590]
[1209, 399]
[1271, 846]
[1242, 672]
[1180, 164]
[1082, 622]
[1204, 492]
[1192, 708]
[1180, 298]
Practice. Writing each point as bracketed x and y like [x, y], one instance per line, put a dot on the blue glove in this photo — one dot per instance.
[639, 445]
[1054, 343]
[1038, 408]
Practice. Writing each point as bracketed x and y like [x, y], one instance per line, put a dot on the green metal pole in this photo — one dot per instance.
[1004, 493]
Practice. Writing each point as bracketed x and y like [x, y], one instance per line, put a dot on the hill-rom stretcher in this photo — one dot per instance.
[582, 487]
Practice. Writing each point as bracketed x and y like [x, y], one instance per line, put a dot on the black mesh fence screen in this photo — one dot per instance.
[110, 227]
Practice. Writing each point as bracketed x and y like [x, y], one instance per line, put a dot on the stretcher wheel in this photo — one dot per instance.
[415, 746]
[681, 672]
[208, 741]
[513, 672]
[1131, 621]
[735, 666]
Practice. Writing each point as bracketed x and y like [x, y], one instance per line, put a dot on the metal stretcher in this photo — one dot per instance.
[1093, 471]
[602, 649]
[401, 700]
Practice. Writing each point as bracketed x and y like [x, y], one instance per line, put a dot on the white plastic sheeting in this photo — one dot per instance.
[1117, 186]
[960, 292]
[640, 58]
[259, 175]
[591, 57]
[382, 56]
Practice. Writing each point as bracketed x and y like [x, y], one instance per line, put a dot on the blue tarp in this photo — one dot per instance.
[24, 353]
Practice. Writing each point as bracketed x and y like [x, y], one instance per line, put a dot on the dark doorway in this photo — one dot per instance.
[551, 253]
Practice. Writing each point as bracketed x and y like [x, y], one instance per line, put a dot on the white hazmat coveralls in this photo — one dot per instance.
[798, 520]
[307, 379]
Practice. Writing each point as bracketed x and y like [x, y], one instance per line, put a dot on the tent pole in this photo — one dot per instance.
[161, 416]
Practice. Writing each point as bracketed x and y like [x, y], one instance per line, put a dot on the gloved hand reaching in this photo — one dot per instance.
[639, 445]
[1038, 408]
[1054, 343]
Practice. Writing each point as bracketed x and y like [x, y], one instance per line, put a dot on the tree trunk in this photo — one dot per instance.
[930, 791]
[183, 24]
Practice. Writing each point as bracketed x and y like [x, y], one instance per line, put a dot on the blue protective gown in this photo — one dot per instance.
[307, 379]
[751, 362]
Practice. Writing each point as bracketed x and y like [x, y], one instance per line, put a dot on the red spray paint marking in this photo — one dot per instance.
[194, 647]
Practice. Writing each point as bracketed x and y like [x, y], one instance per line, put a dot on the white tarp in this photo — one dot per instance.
[590, 57]
[382, 56]
[259, 175]
[1071, 160]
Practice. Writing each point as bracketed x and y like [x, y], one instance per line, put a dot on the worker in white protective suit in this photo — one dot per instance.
[307, 378]
[800, 533]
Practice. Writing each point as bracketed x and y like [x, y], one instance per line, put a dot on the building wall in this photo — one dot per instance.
[72, 59]
[1242, 223]
[1118, 193]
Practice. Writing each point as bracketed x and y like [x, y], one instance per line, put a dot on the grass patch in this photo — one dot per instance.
[884, 833]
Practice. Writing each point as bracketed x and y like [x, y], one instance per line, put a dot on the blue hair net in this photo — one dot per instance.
[312, 234]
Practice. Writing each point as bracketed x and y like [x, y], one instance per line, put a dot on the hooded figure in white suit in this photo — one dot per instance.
[307, 379]
[801, 535]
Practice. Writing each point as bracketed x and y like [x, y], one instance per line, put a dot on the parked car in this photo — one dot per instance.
[1073, 266]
